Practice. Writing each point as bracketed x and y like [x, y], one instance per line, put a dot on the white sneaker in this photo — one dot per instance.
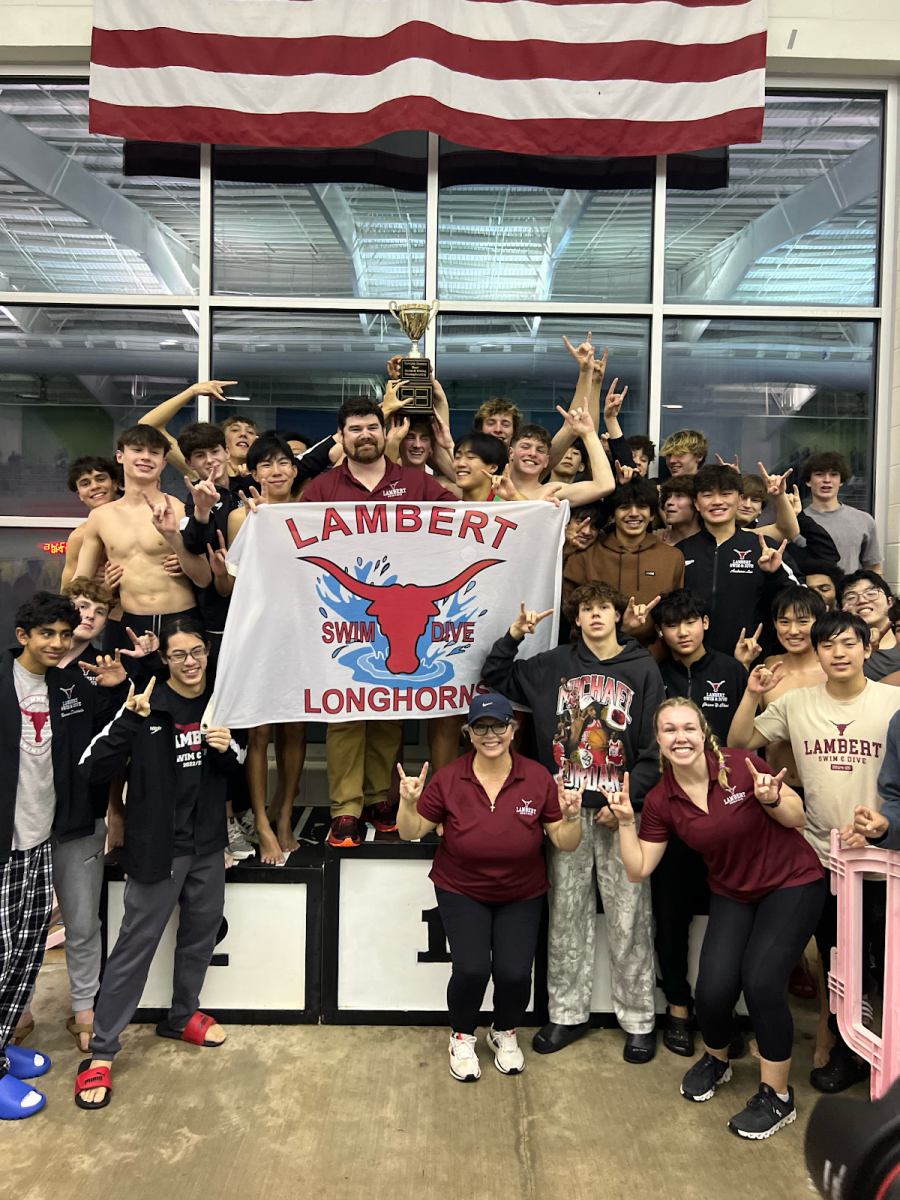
[247, 825]
[508, 1058]
[464, 1064]
[238, 846]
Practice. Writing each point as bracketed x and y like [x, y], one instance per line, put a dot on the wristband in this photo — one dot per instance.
[773, 805]
[576, 817]
[626, 824]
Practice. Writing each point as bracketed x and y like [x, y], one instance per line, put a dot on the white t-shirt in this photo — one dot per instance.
[838, 748]
[35, 794]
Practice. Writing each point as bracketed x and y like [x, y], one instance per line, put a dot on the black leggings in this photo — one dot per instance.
[489, 940]
[680, 891]
[752, 948]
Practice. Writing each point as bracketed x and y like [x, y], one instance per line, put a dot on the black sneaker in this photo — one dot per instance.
[764, 1115]
[842, 1070]
[704, 1077]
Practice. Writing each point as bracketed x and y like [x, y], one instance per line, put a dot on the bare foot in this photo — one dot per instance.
[825, 1040]
[269, 850]
[286, 839]
[96, 1095]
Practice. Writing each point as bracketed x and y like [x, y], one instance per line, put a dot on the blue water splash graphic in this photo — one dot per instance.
[367, 661]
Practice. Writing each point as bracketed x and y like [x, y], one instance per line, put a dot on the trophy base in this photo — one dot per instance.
[420, 395]
[415, 375]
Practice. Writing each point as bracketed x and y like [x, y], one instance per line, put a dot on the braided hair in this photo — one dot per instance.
[710, 741]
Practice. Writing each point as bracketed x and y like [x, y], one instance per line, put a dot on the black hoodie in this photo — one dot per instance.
[78, 708]
[716, 684]
[147, 746]
[593, 717]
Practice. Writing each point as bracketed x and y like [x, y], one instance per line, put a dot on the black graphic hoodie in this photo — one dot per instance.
[593, 718]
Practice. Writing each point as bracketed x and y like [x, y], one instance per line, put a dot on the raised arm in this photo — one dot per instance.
[74, 543]
[602, 484]
[410, 825]
[160, 416]
[743, 732]
[565, 435]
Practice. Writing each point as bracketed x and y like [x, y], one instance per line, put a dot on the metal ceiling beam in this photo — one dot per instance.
[28, 319]
[569, 212]
[715, 275]
[334, 207]
[41, 166]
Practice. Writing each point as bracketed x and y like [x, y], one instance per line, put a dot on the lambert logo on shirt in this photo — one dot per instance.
[393, 492]
[716, 698]
[71, 704]
[35, 712]
[526, 810]
[842, 753]
[188, 744]
[743, 564]
[734, 797]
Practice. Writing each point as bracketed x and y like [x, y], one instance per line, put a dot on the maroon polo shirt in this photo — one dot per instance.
[398, 483]
[494, 857]
[748, 854]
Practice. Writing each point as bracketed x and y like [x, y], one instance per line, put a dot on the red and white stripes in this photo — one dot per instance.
[590, 77]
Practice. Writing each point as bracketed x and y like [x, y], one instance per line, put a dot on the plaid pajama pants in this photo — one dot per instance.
[26, 901]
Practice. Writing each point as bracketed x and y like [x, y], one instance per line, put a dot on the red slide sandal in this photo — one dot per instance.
[194, 1032]
[92, 1077]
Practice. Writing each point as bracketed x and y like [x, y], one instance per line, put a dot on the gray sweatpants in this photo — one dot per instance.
[78, 882]
[573, 917]
[197, 884]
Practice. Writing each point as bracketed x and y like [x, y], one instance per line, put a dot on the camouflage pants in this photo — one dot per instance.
[573, 917]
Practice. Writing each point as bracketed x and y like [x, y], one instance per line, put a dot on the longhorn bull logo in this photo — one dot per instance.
[402, 609]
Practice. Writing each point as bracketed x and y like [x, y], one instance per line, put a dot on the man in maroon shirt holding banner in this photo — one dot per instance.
[361, 754]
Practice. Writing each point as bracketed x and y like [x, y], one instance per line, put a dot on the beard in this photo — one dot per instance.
[365, 452]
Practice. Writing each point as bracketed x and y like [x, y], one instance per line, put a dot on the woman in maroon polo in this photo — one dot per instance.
[489, 874]
[766, 886]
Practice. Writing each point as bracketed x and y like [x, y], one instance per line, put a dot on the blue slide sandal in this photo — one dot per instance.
[26, 1064]
[18, 1099]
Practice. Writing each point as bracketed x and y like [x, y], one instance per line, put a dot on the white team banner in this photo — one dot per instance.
[380, 611]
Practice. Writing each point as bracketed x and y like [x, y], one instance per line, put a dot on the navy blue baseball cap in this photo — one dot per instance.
[490, 705]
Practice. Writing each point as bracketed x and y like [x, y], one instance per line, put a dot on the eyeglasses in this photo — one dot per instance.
[198, 654]
[483, 728]
[869, 594]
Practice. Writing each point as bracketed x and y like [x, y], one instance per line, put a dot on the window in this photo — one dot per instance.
[71, 379]
[799, 220]
[71, 220]
[31, 560]
[775, 391]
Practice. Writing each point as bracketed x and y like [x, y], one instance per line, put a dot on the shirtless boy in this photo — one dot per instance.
[529, 461]
[95, 481]
[137, 533]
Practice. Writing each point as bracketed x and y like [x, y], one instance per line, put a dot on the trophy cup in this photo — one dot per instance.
[415, 369]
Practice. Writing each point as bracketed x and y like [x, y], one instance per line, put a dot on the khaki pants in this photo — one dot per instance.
[361, 756]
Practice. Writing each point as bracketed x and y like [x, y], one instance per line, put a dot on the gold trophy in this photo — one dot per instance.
[415, 369]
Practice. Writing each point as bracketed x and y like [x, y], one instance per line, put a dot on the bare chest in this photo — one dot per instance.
[129, 532]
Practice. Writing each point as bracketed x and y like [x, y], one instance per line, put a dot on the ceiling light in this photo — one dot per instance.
[673, 406]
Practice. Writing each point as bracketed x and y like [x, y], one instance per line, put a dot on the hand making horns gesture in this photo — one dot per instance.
[527, 621]
[583, 354]
[762, 678]
[256, 498]
[140, 702]
[614, 400]
[748, 649]
[569, 798]
[766, 787]
[775, 484]
[770, 559]
[109, 671]
[620, 802]
[636, 614]
[162, 515]
[411, 785]
[206, 496]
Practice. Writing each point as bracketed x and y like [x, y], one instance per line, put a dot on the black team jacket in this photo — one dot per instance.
[716, 683]
[78, 709]
[593, 718]
[144, 747]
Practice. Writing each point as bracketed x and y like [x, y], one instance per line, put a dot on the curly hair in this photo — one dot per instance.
[710, 741]
[595, 591]
[825, 460]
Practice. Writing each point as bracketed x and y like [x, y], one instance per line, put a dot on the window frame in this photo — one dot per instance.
[206, 302]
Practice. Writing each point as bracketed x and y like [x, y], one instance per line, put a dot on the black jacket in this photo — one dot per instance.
[77, 710]
[716, 684]
[814, 541]
[144, 747]
[593, 718]
[739, 594]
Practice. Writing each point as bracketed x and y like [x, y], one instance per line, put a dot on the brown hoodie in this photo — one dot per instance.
[644, 573]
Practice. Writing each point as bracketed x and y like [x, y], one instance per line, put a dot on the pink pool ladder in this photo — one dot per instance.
[845, 977]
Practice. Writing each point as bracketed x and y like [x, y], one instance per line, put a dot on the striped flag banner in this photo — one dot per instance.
[571, 77]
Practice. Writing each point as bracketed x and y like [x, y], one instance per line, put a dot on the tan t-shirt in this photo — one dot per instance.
[838, 748]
